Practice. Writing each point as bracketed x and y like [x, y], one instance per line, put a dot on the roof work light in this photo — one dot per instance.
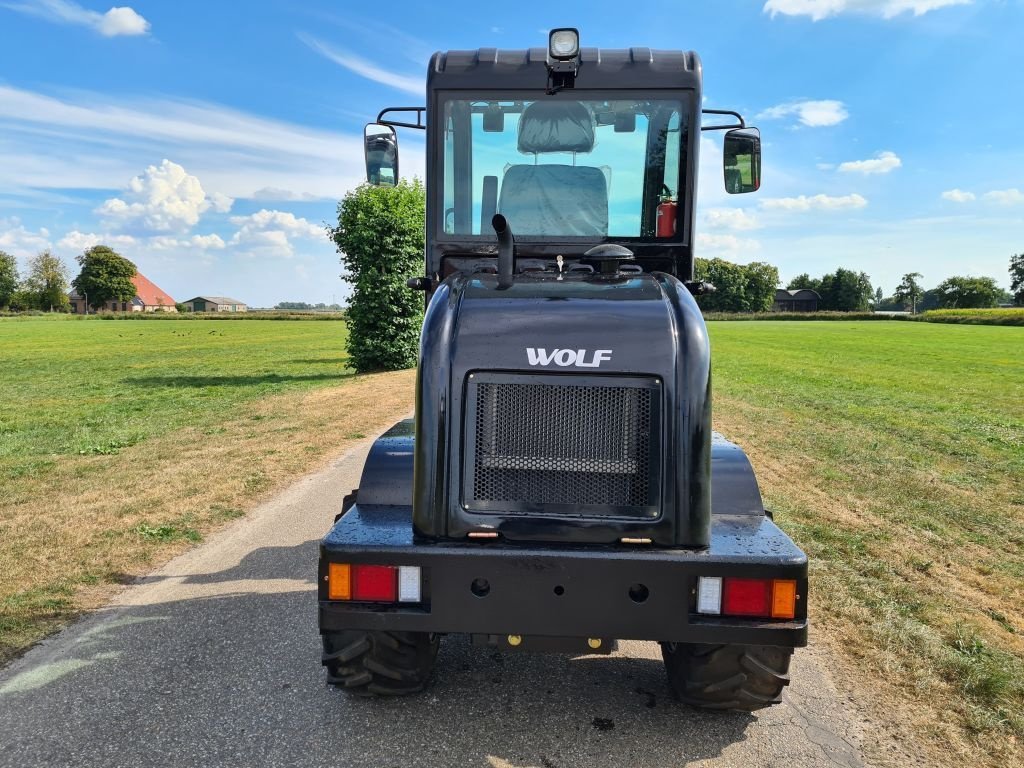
[564, 44]
[563, 58]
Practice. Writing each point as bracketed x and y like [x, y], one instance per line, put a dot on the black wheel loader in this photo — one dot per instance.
[560, 487]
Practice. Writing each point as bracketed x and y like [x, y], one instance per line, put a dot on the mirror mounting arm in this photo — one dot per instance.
[421, 116]
[737, 115]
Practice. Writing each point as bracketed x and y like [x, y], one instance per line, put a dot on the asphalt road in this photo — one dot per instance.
[213, 660]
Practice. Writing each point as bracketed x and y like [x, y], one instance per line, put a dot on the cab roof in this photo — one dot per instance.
[635, 68]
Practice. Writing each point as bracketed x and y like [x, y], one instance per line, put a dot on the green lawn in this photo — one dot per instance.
[121, 443]
[894, 453]
[79, 387]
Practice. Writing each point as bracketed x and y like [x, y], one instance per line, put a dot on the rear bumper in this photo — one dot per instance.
[594, 599]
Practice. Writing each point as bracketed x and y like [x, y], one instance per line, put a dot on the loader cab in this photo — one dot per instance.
[575, 147]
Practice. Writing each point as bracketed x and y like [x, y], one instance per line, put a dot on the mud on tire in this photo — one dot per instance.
[745, 677]
[379, 663]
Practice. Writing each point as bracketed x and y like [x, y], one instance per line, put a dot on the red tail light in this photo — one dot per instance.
[747, 597]
[375, 583]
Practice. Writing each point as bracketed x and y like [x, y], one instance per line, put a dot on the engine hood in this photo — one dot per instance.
[633, 330]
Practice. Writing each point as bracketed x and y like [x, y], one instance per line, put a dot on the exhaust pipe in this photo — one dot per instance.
[506, 251]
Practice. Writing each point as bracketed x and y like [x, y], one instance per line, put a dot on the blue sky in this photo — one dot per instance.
[210, 144]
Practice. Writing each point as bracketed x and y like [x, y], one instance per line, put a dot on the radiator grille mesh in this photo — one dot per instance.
[563, 444]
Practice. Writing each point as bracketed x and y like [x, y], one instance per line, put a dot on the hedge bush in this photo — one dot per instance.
[804, 316]
[380, 236]
[1005, 316]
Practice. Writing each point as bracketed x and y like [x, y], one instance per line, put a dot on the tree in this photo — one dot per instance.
[968, 292]
[803, 281]
[23, 300]
[928, 300]
[380, 239]
[879, 297]
[47, 282]
[761, 282]
[738, 287]
[845, 291]
[106, 276]
[909, 291]
[889, 304]
[841, 291]
[8, 278]
[1016, 278]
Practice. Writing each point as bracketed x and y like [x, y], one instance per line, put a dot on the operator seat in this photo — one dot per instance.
[733, 180]
[733, 175]
[559, 200]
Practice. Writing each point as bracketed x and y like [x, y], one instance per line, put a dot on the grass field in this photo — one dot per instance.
[90, 387]
[894, 454]
[121, 443]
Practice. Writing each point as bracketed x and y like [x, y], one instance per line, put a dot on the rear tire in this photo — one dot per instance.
[744, 677]
[379, 663]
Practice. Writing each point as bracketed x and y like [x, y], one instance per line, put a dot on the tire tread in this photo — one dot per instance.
[368, 663]
[727, 676]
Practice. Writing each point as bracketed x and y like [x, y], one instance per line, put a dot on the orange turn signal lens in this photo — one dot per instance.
[783, 599]
[339, 581]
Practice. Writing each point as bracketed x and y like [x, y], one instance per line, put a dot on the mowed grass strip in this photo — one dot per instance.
[894, 454]
[124, 443]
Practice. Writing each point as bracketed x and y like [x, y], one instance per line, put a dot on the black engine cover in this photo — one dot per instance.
[568, 409]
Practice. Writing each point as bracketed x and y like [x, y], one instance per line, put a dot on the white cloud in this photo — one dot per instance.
[212, 242]
[825, 166]
[814, 203]
[726, 245]
[87, 140]
[811, 113]
[164, 198]
[199, 242]
[275, 194]
[123, 21]
[1005, 196]
[957, 196]
[270, 233]
[283, 220]
[883, 162]
[79, 241]
[118, 21]
[887, 9]
[19, 241]
[367, 68]
[731, 218]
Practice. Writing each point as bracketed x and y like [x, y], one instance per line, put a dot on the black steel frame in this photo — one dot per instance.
[564, 591]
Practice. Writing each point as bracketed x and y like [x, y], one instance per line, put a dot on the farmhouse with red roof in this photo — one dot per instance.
[149, 297]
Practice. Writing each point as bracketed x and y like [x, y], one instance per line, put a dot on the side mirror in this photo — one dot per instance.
[742, 161]
[381, 146]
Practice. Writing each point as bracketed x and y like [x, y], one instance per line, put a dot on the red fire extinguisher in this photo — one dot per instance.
[666, 224]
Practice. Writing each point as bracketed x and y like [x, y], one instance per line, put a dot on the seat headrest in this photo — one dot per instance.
[556, 126]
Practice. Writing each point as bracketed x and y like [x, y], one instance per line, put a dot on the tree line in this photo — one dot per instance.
[841, 291]
[104, 276]
[957, 292]
[306, 307]
[751, 288]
